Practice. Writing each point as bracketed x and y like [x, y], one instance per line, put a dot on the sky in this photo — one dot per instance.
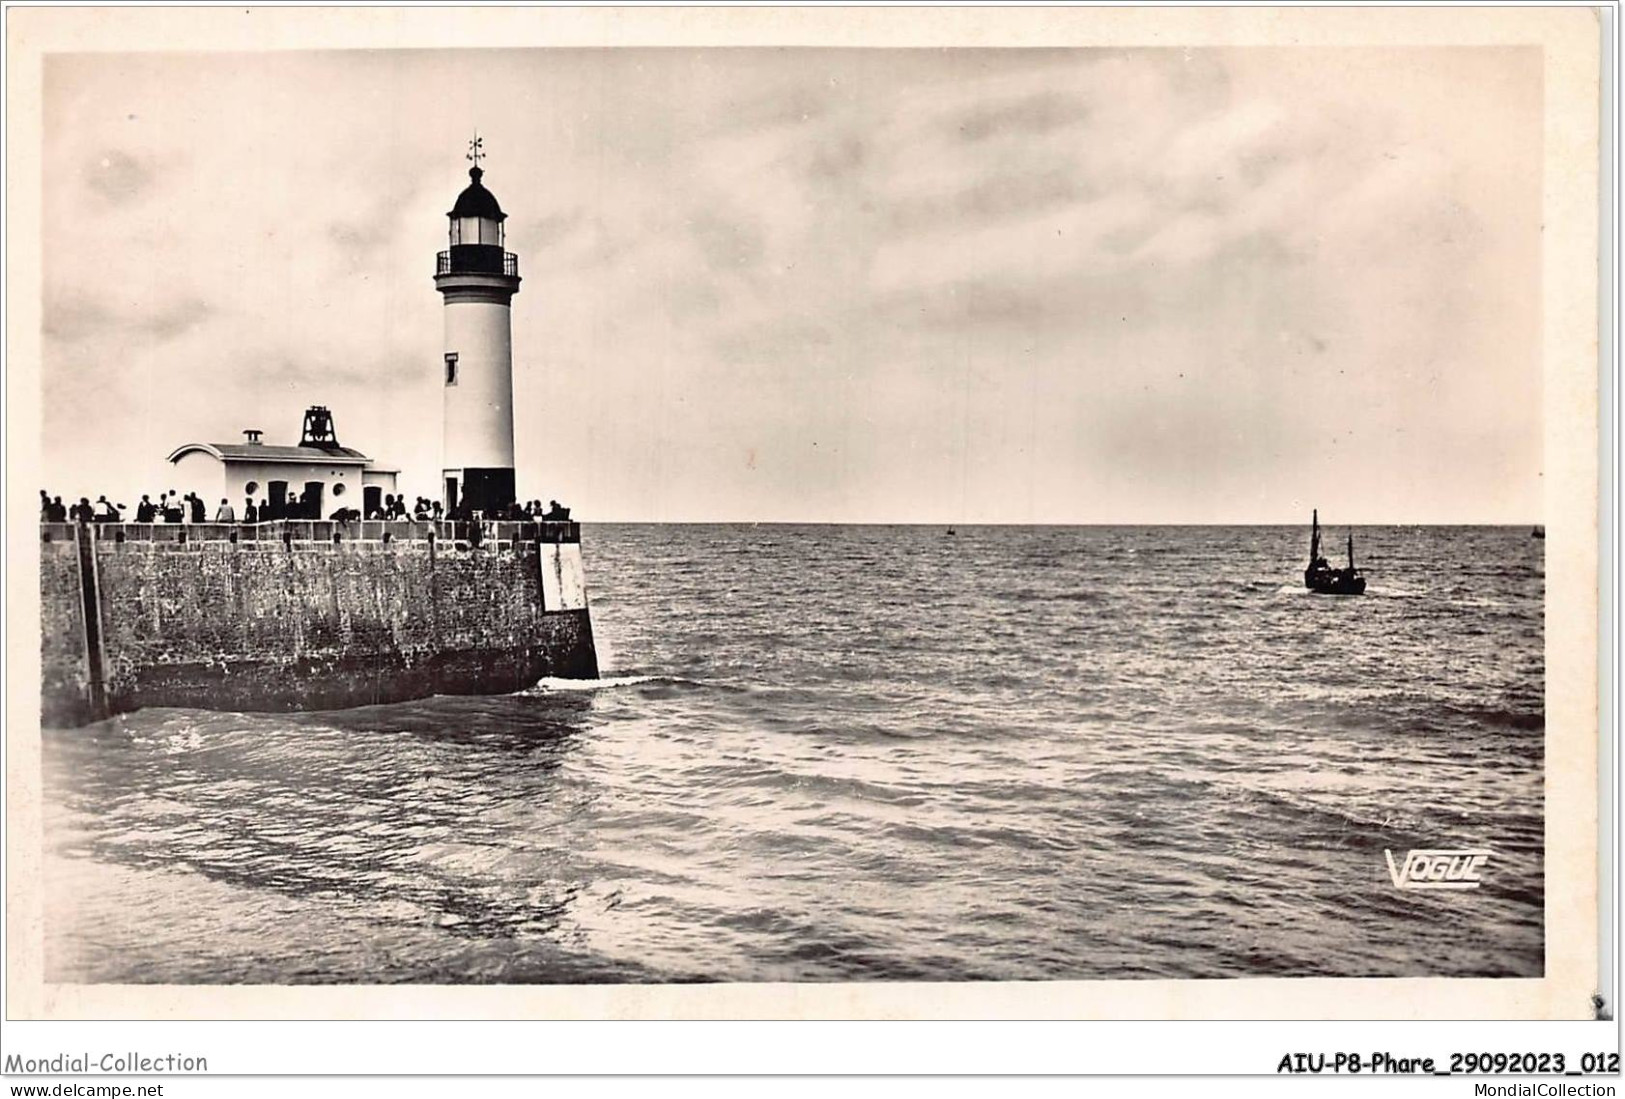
[941, 286]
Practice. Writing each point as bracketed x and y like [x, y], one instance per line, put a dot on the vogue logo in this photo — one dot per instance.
[1438, 869]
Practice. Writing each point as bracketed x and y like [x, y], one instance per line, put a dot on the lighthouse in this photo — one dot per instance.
[477, 278]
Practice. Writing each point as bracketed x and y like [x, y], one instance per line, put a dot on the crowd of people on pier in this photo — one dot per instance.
[172, 507]
[532, 510]
[394, 507]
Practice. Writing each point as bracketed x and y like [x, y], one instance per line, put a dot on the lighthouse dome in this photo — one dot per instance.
[476, 201]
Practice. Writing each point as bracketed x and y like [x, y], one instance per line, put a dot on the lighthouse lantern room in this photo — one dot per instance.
[477, 280]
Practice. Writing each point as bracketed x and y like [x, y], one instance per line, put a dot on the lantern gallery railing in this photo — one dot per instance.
[478, 260]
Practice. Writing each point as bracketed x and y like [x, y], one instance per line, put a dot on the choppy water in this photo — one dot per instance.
[853, 753]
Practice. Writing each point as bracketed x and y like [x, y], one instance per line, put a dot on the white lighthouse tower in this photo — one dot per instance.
[478, 279]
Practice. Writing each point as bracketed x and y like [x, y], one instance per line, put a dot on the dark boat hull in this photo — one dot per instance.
[1334, 581]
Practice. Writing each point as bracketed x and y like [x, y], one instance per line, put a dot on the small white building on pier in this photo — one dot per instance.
[320, 472]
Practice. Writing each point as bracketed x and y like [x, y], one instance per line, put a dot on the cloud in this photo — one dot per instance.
[75, 318]
[175, 320]
[836, 156]
[539, 234]
[1039, 113]
[359, 241]
[1000, 195]
[318, 370]
[727, 243]
[781, 340]
[116, 177]
[771, 110]
[71, 318]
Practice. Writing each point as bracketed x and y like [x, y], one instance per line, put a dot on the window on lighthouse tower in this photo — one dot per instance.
[451, 368]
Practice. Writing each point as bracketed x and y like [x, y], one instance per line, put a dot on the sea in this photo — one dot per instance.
[866, 753]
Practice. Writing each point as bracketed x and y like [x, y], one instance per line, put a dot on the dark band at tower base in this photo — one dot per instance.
[486, 491]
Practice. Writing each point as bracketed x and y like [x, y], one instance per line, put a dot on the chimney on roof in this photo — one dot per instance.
[253, 436]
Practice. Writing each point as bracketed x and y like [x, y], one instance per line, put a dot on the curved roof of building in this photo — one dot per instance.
[259, 452]
[476, 201]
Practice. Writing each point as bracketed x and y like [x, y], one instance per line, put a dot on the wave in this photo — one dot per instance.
[1373, 591]
[555, 683]
[1390, 591]
[550, 684]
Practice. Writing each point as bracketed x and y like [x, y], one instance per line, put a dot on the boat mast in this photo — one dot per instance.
[1314, 540]
[1351, 551]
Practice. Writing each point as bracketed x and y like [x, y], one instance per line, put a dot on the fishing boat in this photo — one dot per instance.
[1322, 578]
[1538, 532]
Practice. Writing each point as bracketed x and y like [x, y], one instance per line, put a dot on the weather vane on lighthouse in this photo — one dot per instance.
[476, 149]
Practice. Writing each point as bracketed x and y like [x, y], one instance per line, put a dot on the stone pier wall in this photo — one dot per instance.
[285, 623]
